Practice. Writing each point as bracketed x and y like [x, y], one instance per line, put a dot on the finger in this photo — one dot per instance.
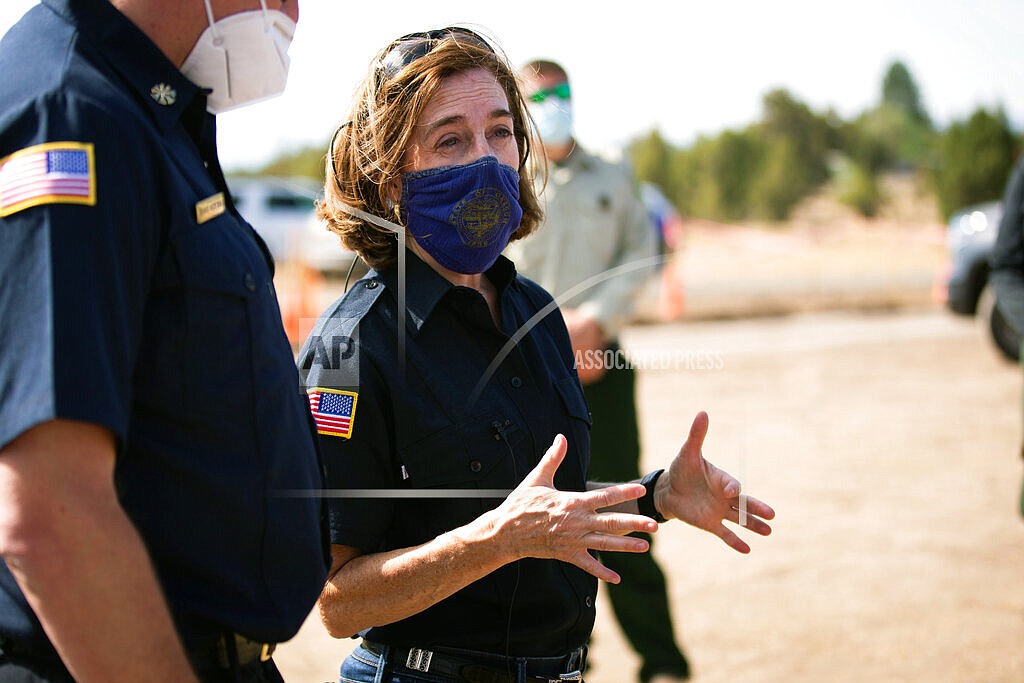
[748, 521]
[723, 483]
[729, 486]
[753, 506]
[589, 564]
[732, 540]
[609, 543]
[609, 496]
[544, 473]
[625, 523]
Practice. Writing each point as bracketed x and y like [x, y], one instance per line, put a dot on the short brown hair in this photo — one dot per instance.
[366, 155]
[544, 67]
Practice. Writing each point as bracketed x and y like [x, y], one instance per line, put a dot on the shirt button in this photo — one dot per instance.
[372, 284]
[250, 282]
[516, 382]
[589, 602]
[475, 466]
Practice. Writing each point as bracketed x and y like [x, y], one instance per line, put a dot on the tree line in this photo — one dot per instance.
[762, 171]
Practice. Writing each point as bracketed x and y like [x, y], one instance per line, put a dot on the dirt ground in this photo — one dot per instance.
[885, 432]
[888, 444]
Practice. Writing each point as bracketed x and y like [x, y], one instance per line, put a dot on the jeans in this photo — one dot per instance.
[364, 666]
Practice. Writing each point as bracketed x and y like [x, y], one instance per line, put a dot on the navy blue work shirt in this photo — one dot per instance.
[419, 421]
[133, 296]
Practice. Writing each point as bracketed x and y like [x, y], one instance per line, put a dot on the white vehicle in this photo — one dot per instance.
[282, 211]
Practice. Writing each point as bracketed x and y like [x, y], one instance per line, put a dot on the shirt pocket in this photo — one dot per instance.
[476, 453]
[594, 213]
[475, 458]
[218, 284]
[575, 404]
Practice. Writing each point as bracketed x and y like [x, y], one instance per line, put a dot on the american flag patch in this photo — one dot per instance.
[333, 411]
[51, 173]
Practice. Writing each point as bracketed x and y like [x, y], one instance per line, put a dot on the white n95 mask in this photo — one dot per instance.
[554, 120]
[243, 57]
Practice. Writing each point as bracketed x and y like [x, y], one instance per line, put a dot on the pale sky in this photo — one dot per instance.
[694, 69]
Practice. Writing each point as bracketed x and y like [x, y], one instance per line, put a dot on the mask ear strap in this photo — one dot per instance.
[209, 17]
[370, 218]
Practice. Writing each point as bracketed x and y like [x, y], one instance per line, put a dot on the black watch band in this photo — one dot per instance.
[646, 503]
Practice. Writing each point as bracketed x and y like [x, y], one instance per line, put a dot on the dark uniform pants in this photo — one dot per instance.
[22, 670]
[640, 601]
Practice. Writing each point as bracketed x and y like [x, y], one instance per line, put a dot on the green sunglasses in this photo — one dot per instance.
[561, 91]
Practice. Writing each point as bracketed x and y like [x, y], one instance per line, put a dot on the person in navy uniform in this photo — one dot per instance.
[452, 423]
[149, 404]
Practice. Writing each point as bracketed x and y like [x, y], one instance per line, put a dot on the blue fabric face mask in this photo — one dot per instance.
[463, 215]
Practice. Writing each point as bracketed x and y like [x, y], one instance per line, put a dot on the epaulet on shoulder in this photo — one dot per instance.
[362, 294]
[351, 307]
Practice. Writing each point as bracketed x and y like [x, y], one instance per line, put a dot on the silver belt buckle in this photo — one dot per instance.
[419, 660]
[576, 675]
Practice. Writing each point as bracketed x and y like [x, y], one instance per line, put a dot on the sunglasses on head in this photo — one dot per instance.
[410, 47]
[560, 91]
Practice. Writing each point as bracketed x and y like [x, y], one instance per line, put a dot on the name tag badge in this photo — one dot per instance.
[210, 208]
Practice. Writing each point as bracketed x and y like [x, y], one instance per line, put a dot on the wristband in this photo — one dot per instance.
[646, 503]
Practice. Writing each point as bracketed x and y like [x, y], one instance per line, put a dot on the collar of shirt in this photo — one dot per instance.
[425, 287]
[165, 90]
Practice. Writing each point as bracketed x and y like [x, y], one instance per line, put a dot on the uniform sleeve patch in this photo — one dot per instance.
[333, 411]
[50, 173]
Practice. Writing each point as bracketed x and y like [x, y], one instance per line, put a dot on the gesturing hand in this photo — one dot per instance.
[698, 493]
[538, 520]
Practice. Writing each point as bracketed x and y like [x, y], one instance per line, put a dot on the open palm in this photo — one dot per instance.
[698, 493]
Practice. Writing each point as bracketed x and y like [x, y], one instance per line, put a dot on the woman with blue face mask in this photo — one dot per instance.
[453, 428]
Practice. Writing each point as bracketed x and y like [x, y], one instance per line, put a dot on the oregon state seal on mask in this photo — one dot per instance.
[480, 217]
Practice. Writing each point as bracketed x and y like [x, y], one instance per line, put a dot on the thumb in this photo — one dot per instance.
[544, 473]
[694, 444]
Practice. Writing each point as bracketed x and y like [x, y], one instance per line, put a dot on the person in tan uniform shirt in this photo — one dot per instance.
[594, 253]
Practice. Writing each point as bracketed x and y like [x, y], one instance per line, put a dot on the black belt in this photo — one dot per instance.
[481, 667]
[218, 655]
[231, 650]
